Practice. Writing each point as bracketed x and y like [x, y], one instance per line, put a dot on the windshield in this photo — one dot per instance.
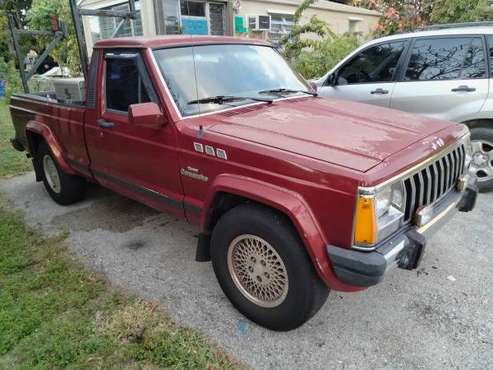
[195, 74]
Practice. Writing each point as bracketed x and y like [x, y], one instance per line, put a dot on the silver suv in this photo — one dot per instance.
[443, 72]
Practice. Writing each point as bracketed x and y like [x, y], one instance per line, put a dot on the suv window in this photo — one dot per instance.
[446, 59]
[124, 85]
[375, 64]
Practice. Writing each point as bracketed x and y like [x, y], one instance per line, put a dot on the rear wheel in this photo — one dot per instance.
[63, 188]
[263, 268]
[482, 158]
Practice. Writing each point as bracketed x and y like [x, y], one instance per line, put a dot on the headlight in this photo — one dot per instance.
[379, 213]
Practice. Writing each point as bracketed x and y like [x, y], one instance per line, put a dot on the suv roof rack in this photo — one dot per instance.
[456, 25]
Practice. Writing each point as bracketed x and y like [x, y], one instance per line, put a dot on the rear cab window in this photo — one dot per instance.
[446, 59]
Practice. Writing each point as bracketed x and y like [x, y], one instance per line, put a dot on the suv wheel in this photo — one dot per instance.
[263, 268]
[482, 159]
[63, 188]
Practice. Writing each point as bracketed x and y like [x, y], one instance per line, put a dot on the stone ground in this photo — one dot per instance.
[439, 316]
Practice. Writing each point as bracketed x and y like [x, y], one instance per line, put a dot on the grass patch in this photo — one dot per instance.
[12, 162]
[54, 314]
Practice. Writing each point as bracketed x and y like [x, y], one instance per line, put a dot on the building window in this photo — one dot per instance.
[167, 13]
[106, 26]
[193, 18]
[281, 24]
[353, 27]
[192, 8]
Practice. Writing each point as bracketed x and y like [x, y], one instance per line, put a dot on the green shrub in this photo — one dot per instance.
[315, 62]
[312, 47]
[10, 75]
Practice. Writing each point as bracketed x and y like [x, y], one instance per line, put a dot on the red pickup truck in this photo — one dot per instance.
[294, 195]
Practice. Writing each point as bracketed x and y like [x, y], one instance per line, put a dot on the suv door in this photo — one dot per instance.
[139, 162]
[445, 77]
[368, 76]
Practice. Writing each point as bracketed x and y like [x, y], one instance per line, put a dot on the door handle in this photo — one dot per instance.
[379, 91]
[464, 88]
[104, 124]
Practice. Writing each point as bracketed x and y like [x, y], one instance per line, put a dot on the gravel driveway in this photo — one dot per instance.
[440, 316]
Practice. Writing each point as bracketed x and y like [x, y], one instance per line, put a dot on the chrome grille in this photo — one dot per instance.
[433, 181]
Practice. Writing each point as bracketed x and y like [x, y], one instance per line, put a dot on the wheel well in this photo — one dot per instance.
[486, 123]
[34, 140]
[222, 203]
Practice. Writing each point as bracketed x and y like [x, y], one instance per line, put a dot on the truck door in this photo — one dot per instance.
[139, 162]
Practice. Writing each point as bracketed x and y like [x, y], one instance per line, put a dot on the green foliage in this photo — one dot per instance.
[316, 62]
[401, 16]
[10, 75]
[12, 162]
[296, 41]
[18, 9]
[448, 11]
[313, 48]
[55, 315]
[38, 17]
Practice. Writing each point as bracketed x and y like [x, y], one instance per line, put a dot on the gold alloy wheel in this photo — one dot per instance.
[258, 271]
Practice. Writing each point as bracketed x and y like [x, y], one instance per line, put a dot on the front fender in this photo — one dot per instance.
[54, 145]
[293, 206]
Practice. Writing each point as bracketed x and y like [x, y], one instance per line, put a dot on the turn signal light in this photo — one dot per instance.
[365, 228]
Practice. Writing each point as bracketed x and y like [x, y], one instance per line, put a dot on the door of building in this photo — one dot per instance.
[217, 15]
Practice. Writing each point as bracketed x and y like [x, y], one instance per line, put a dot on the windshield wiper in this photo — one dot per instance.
[281, 91]
[221, 99]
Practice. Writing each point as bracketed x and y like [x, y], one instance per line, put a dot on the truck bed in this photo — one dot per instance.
[65, 122]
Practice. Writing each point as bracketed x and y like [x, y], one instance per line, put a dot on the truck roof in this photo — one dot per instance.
[173, 40]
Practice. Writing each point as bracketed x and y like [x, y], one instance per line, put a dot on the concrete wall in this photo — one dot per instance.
[336, 15]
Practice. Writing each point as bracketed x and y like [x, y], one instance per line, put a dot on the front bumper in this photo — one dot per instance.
[404, 249]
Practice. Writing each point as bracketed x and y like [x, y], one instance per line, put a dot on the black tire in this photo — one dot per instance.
[484, 134]
[70, 189]
[306, 293]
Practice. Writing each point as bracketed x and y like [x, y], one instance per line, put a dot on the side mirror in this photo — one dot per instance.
[314, 86]
[146, 115]
[332, 79]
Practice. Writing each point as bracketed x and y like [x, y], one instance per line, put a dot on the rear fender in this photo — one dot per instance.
[41, 129]
[290, 204]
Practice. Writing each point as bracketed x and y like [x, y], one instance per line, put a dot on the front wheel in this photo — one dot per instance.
[482, 158]
[264, 270]
[63, 188]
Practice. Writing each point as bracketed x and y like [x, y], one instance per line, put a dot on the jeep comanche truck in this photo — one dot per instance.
[294, 194]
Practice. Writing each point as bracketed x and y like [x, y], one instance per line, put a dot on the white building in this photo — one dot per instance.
[268, 19]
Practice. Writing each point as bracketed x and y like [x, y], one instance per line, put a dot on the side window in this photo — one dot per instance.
[446, 59]
[124, 84]
[376, 64]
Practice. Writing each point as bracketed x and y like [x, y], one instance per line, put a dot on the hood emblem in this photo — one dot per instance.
[437, 143]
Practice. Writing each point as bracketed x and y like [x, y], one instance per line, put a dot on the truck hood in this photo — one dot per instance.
[348, 134]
